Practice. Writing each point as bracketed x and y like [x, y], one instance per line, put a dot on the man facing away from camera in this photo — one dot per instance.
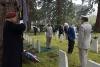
[84, 38]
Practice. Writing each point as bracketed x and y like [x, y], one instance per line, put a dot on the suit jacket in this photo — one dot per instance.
[71, 33]
[84, 36]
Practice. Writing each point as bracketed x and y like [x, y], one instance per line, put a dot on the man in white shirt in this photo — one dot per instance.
[84, 39]
[49, 33]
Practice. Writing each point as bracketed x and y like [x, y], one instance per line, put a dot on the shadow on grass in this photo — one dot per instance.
[44, 49]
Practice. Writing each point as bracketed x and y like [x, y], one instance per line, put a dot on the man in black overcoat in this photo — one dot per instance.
[12, 41]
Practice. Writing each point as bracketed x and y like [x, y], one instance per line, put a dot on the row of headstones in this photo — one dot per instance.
[30, 41]
[63, 61]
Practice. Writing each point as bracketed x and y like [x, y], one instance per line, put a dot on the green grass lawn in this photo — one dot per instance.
[49, 58]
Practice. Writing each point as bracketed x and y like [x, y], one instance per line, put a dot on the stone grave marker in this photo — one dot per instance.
[63, 60]
[33, 43]
[94, 45]
[38, 46]
[91, 63]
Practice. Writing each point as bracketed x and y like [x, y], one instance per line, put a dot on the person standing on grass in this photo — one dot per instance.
[49, 33]
[12, 41]
[71, 39]
[35, 30]
[61, 32]
[84, 38]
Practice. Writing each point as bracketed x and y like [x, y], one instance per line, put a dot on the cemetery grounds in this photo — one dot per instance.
[49, 58]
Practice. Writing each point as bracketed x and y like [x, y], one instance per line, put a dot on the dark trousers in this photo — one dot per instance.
[70, 46]
[48, 42]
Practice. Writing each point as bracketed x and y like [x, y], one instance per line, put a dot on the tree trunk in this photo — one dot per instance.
[59, 11]
[97, 25]
[2, 16]
[29, 21]
[29, 16]
[61, 8]
[26, 14]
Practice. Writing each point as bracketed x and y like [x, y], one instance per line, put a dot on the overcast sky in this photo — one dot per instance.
[77, 1]
[80, 2]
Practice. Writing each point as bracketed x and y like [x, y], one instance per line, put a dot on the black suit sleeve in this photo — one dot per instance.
[17, 28]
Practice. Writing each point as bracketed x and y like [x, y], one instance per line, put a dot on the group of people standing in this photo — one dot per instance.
[84, 38]
[13, 39]
[66, 30]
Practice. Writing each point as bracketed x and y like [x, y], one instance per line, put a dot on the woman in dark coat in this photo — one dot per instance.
[12, 41]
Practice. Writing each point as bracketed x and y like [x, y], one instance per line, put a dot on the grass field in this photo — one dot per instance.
[49, 58]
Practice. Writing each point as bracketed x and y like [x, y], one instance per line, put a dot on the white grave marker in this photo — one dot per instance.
[38, 46]
[94, 45]
[63, 60]
[30, 41]
[57, 33]
[91, 63]
[33, 44]
[61, 37]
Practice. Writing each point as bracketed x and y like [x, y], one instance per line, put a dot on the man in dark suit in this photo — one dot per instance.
[12, 41]
[71, 39]
[70, 35]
